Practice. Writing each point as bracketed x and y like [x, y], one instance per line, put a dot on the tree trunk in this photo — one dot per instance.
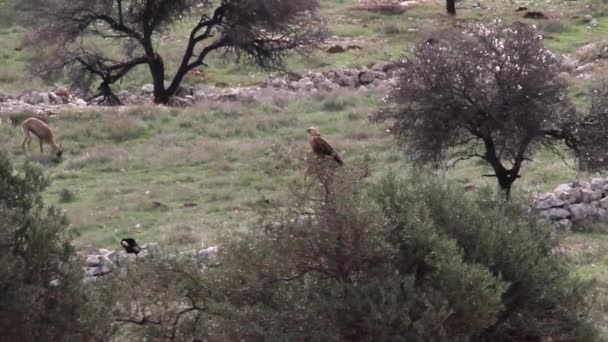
[157, 69]
[451, 7]
[506, 180]
[505, 177]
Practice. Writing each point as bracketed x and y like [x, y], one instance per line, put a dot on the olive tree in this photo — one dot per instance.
[492, 93]
[256, 31]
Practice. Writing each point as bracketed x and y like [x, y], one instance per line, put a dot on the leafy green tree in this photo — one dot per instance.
[493, 93]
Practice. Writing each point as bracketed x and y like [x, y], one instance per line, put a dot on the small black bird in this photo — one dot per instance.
[130, 246]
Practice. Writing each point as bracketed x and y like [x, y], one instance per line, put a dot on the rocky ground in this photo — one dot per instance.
[586, 62]
[381, 74]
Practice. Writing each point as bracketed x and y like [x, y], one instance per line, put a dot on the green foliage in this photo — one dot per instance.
[397, 259]
[41, 297]
[66, 196]
[541, 299]
[408, 260]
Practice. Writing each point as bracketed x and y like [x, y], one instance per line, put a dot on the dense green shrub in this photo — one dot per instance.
[346, 259]
[541, 299]
[41, 293]
[397, 260]
[407, 261]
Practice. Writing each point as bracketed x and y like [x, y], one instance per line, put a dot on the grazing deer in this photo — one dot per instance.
[42, 132]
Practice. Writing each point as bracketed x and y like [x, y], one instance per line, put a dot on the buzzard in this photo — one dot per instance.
[320, 147]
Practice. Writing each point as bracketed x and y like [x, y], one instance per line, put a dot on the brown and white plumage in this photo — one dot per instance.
[320, 147]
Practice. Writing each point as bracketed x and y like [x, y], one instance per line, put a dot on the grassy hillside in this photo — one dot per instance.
[180, 176]
[379, 36]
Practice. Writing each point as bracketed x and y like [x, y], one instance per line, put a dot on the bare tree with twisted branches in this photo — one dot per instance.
[259, 32]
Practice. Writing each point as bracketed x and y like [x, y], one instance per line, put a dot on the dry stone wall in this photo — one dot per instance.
[99, 262]
[381, 74]
[574, 205]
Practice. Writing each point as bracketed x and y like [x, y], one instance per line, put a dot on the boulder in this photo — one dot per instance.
[603, 215]
[147, 88]
[318, 79]
[347, 81]
[568, 63]
[92, 261]
[36, 97]
[585, 68]
[98, 271]
[597, 183]
[562, 189]
[199, 91]
[367, 77]
[588, 195]
[384, 66]
[209, 253]
[55, 99]
[555, 214]
[151, 246]
[279, 83]
[603, 203]
[179, 102]
[550, 202]
[351, 72]
[564, 225]
[293, 76]
[580, 184]
[305, 84]
[582, 212]
[327, 85]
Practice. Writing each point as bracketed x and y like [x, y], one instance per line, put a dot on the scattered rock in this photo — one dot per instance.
[551, 202]
[380, 74]
[555, 214]
[147, 88]
[367, 77]
[293, 76]
[568, 63]
[209, 253]
[92, 261]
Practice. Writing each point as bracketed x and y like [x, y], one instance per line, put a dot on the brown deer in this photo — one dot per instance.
[42, 132]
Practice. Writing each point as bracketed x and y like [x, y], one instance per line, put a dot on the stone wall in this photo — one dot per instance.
[99, 262]
[573, 205]
[292, 83]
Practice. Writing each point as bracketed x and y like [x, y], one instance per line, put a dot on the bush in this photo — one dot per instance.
[66, 196]
[540, 301]
[42, 297]
[398, 260]
[408, 260]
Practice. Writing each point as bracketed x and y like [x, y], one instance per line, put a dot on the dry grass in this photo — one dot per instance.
[97, 156]
[124, 127]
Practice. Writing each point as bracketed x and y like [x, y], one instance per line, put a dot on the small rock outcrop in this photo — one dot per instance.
[575, 204]
[99, 262]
